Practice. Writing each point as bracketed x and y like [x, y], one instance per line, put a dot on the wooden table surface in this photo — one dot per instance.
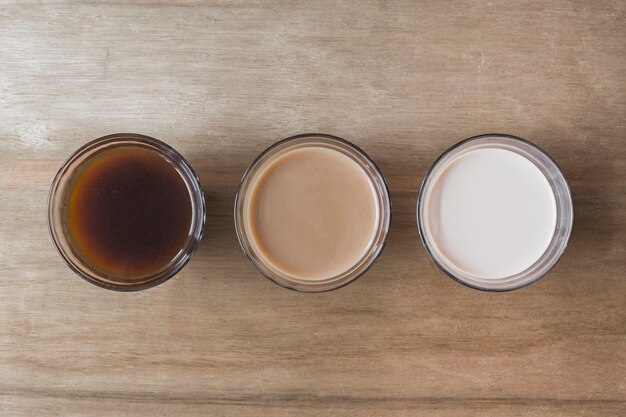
[221, 81]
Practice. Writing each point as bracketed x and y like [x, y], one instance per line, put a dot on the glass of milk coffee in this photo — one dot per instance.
[495, 212]
[313, 212]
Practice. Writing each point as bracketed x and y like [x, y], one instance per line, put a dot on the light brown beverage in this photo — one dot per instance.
[311, 213]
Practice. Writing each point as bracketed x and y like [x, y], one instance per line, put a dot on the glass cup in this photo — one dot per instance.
[382, 200]
[58, 213]
[564, 212]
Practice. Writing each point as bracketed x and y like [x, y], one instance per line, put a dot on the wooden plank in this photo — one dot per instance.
[223, 80]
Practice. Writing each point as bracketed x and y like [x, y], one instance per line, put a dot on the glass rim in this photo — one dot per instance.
[195, 193]
[330, 284]
[557, 255]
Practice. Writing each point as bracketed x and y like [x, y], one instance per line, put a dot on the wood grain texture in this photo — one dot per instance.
[404, 80]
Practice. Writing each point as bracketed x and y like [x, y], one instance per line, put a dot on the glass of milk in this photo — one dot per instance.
[495, 212]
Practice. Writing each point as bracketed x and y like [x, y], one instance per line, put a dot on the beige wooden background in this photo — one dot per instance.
[222, 80]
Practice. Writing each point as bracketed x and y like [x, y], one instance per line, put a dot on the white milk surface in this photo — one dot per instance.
[491, 212]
